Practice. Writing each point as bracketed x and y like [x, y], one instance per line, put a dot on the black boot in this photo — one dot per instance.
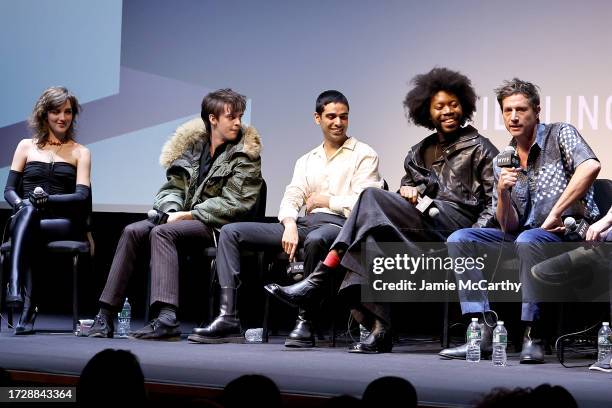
[306, 291]
[14, 296]
[226, 327]
[532, 352]
[302, 335]
[29, 312]
[379, 341]
[486, 343]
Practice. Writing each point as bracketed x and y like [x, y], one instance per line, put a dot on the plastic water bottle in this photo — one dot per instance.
[604, 346]
[124, 318]
[473, 338]
[363, 333]
[500, 343]
[254, 335]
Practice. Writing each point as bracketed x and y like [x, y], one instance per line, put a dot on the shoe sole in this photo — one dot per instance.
[604, 370]
[448, 357]
[531, 361]
[285, 301]
[100, 336]
[196, 338]
[368, 352]
[167, 338]
[294, 343]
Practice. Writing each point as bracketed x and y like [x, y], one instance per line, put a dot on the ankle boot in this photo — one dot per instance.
[532, 352]
[226, 327]
[379, 341]
[302, 335]
[305, 292]
[486, 343]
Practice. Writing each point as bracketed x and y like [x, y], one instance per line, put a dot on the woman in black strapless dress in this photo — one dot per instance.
[53, 161]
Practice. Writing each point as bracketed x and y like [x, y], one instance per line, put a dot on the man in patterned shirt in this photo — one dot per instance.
[554, 181]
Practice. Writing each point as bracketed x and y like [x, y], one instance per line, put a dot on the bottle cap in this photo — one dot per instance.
[500, 322]
[605, 324]
[474, 319]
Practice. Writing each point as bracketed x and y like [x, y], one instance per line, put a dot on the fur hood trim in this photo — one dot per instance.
[189, 133]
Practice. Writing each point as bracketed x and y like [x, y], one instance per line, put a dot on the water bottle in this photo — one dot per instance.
[124, 318]
[473, 338]
[500, 342]
[604, 346]
[363, 333]
[254, 335]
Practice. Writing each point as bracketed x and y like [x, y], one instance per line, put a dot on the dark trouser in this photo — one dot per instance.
[316, 231]
[380, 216]
[28, 233]
[142, 238]
[530, 249]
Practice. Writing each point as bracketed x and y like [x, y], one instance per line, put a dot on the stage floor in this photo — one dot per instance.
[322, 371]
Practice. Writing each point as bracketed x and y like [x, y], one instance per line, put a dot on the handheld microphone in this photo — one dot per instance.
[508, 158]
[38, 197]
[157, 217]
[575, 231]
[425, 203]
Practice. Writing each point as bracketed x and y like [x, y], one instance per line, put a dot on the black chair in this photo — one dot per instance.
[75, 249]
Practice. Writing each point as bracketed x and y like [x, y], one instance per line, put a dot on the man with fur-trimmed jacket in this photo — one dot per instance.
[213, 170]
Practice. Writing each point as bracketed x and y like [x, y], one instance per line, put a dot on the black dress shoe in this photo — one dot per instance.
[376, 343]
[158, 330]
[486, 343]
[102, 327]
[532, 352]
[302, 335]
[224, 329]
[26, 321]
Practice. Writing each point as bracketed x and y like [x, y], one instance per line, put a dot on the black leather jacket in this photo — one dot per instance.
[464, 178]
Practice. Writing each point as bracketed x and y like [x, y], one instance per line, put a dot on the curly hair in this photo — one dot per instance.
[52, 98]
[418, 100]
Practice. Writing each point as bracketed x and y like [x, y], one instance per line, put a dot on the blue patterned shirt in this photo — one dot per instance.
[556, 152]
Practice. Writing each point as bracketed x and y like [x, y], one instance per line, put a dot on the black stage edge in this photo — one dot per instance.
[306, 377]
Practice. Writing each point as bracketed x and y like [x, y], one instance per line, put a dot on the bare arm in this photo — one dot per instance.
[505, 212]
[583, 178]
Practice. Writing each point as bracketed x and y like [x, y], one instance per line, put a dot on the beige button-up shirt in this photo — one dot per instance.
[342, 177]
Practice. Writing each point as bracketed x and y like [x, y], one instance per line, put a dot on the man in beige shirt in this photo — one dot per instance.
[326, 181]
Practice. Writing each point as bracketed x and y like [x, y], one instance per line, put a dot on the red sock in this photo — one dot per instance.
[332, 260]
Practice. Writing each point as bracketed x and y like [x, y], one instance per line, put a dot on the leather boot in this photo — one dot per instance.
[13, 292]
[226, 327]
[305, 292]
[379, 341]
[532, 352]
[302, 335]
[29, 312]
[486, 343]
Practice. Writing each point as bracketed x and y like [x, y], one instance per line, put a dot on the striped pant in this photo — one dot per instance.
[141, 239]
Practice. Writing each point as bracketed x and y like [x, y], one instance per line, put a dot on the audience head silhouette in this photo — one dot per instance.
[242, 391]
[390, 392]
[111, 376]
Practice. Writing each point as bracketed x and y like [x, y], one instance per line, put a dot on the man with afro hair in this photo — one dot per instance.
[452, 166]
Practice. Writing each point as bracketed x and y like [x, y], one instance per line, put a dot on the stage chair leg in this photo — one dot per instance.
[1, 285]
[147, 296]
[212, 290]
[265, 337]
[75, 291]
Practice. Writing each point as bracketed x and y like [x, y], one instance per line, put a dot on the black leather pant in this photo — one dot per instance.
[29, 231]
